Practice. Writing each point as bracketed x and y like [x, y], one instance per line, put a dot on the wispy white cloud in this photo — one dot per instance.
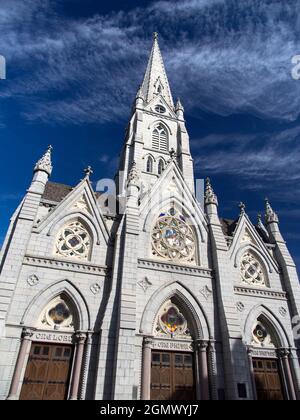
[261, 161]
[235, 55]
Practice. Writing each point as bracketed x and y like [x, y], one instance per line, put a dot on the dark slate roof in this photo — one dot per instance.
[228, 226]
[56, 192]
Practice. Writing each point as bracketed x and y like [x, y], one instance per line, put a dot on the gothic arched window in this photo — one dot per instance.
[160, 138]
[74, 241]
[251, 270]
[161, 167]
[172, 237]
[149, 166]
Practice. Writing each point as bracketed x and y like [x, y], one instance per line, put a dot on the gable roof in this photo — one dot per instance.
[56, 192]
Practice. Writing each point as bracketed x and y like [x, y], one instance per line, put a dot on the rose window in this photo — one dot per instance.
[74, 242]
[173, 238]
[251, 270]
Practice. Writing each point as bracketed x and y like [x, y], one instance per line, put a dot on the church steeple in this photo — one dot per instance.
[156, 127]
[155, 80]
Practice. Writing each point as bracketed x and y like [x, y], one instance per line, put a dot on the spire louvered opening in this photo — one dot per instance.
[160, 139]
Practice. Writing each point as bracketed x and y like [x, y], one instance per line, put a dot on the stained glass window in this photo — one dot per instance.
[173, 238]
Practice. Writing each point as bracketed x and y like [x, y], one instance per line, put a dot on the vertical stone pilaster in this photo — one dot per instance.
[146, 368]
[24, 349]
[202, 347]
[80, 340]
[250, 362]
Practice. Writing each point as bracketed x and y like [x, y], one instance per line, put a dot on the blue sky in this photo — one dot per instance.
[73, 68]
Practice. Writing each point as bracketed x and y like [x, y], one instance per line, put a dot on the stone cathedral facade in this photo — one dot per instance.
[161, 299]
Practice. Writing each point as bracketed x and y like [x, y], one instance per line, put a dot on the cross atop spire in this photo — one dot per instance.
[88, 172]
[45, 164]
[156, 81]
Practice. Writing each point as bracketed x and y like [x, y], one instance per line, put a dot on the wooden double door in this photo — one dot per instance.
[47, 373]
[172, 376]
[267, 379]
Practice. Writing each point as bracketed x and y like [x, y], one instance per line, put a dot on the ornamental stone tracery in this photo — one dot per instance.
[74, 241]
[252, 271]
[172, 238]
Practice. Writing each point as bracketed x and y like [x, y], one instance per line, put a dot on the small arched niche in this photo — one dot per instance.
[60, 314]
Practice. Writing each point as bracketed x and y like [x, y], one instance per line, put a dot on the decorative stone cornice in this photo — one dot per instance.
[210, 196]
[45, 164]
[271, 216]
[175, 268]
[265, 293]
[58, 264]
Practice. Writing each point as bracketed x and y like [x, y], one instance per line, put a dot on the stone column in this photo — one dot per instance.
[24, 348]
[80, 338]
[212, 370]
[252, 375]
[85, 366]
[203, 369]
[146, 366]
[284, 355]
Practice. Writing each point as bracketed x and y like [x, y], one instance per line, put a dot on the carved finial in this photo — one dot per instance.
[260, 224]
[179, 106]
[270, 216]
[210, 196]
[88, 172]
[45, 164]
[242, 208]
[155, 36]
[133, 176]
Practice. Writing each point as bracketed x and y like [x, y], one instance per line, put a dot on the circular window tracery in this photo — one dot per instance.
[74, 241]
[252, 271]
[173, 238]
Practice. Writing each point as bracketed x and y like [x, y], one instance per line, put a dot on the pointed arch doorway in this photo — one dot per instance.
[269, 363]
[175, 361]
